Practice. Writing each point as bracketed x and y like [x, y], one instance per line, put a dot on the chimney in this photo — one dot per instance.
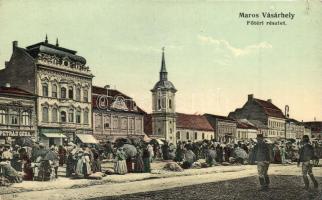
[107, 87]
[250, 97]
[269, 100]
[7, 85]
[14, 44]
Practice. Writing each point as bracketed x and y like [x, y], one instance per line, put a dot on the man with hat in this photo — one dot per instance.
[262, 156]
[306, 156]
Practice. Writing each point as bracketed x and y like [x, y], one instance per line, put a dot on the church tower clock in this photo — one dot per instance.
[163, 106]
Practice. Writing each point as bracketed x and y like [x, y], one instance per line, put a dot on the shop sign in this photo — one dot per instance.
[15, 133]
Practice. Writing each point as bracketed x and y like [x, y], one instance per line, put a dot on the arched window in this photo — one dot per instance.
[85, 95]
[196, 135]
[63, 116]
[159, 104]
[45, 89]
[3, 117]
[54, 91]
[78, 116]
[63, 93]
[178, 135]
[71, 115]
[14, 117]
[25, 118]
[45, 114]
[188, 136]
[86, 117]
[70, 92]
[54, 115]
[78, 93]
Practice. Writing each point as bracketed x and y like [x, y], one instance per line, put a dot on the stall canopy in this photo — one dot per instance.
[87, 139]
[54, 135]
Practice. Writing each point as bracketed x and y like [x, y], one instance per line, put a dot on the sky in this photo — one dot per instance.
[213, 58]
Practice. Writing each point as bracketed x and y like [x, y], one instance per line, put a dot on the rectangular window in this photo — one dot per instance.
[78, 93]
[3, 116]
[178, 135]
[78, 117]
[45, 114]
[188, 136]
[71, 116]
[45, 90]
[54, 91]
[85, 117]
[85, 95]
[196, 135]
[70, 93]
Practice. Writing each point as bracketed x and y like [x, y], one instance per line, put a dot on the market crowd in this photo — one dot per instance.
[34, 162]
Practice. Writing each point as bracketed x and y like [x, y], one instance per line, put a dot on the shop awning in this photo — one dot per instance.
[87, 139]
[54, 135]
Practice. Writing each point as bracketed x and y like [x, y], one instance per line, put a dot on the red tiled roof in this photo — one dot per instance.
[97, 92]
[243, 125]
[195, 122]
[14, 90]
[270, 109]
[186, 121]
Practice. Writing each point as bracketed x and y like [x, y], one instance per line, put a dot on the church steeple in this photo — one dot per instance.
[46, 39]
[163, 71]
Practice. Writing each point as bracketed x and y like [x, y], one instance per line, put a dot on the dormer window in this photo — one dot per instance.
[66, 63]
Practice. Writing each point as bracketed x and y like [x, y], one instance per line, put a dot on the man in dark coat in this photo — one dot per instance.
[262, 156]
[165, 151]
[306, 157]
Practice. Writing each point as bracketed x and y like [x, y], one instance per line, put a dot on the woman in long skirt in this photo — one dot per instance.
[120, 164]
[138, 165]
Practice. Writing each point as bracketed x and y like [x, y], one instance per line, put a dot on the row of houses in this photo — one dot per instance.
[47, 95]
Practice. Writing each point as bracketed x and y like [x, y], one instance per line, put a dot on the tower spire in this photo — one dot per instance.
[46, 38]
[163, 71]
[57, 44]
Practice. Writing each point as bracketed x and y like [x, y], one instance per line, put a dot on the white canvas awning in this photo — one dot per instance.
[54, 135]
[87, 139]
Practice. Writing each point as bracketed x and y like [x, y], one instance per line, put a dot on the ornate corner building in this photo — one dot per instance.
[62, 83]
[115, 115]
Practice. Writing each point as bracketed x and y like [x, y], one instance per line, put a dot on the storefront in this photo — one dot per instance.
[18, 137]
[50, 137]
[17, 116]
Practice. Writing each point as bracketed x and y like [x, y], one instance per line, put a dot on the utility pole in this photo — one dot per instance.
[287, 108]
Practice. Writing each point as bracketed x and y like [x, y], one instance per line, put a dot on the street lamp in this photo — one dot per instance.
[287, 108]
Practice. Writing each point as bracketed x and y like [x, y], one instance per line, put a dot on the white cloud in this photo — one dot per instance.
[234, 51]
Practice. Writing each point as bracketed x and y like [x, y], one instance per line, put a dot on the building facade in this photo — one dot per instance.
[224, 128]
[62, 83]
[164, 106]
[316, 129]
[266, 113]
[295, 129]
[115, 115]
[246, 130]
[17, 116]
[193, 127]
